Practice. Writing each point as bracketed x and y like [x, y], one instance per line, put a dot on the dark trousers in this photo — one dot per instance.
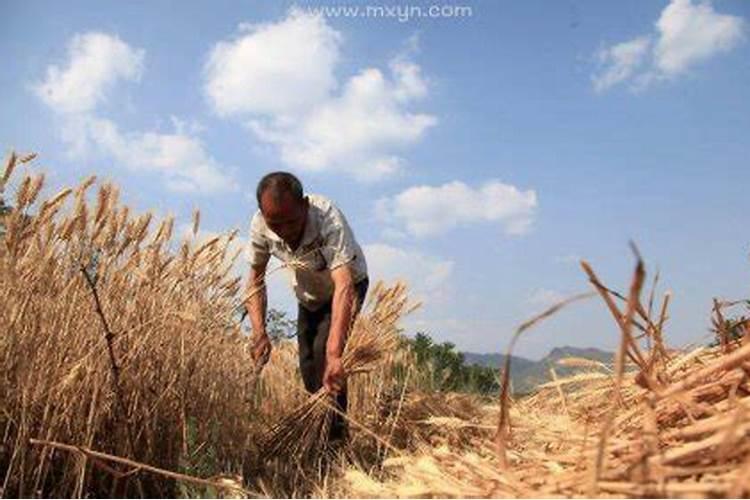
[312, 337]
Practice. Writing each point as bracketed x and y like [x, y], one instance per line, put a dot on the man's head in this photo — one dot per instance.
[283, 205]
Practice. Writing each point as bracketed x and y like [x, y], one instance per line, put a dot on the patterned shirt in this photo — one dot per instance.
[327, 243]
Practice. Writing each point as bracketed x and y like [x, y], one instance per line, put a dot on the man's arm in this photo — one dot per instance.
[341, 319]
[256, 304]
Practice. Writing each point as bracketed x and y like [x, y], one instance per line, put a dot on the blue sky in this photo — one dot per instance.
[477, 156]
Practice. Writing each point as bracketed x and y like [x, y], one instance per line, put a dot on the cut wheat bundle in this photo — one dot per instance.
[303, 433]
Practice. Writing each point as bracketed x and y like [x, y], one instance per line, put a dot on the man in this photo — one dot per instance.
[329, 276]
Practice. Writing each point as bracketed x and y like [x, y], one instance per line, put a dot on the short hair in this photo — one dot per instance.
[279, 183]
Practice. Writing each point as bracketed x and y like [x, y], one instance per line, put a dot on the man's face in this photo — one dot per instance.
[285, 216]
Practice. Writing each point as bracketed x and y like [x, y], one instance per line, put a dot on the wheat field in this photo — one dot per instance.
[126, 373]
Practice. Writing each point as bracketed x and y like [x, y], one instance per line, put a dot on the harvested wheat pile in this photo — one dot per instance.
[658, 423]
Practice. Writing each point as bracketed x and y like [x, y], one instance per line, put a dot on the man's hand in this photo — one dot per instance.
[256, 309]
[333, 377]
[341, 316]
[261, 349]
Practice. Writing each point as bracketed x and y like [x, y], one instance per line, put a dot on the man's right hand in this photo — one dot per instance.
[261, 349]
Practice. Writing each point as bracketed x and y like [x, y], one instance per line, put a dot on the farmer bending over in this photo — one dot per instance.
[329, 277]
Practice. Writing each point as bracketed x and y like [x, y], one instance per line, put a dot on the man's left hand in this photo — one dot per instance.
[333, 377]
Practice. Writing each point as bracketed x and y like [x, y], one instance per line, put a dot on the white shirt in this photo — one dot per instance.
[327, 243]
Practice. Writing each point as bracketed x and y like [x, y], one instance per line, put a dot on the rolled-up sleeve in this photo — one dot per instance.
[339, 245]
[257, 250]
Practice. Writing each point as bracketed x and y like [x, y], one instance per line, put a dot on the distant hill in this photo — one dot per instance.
[526, 374]
[494, 360]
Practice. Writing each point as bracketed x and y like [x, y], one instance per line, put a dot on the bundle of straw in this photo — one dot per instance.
[303, 433]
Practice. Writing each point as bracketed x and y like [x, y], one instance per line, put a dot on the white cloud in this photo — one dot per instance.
[179, 158]
[426, 275]
[691, 33]
[280, 68]
[186, 127]
[428, 210]
[293, 102]
[95, 62]
[356, 132]
[686, 34]
[621, 61]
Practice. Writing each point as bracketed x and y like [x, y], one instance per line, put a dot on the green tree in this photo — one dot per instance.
[278, 324]
[440, 367]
